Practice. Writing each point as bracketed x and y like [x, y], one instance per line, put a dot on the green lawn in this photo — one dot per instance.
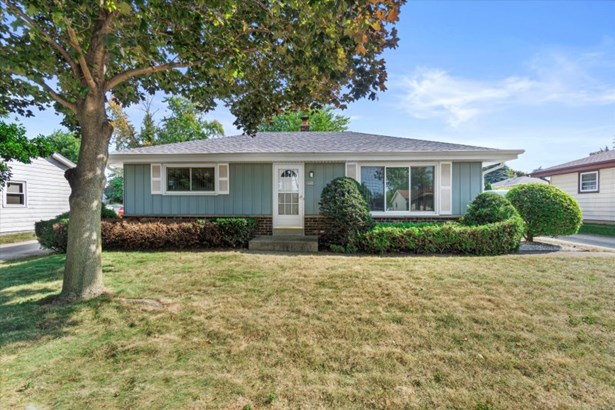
[16, 237]
[597, 229]
[240, 330]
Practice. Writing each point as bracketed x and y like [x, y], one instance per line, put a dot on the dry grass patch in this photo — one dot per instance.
[235, 329]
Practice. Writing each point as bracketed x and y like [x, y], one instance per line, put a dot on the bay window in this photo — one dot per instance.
[399, 188]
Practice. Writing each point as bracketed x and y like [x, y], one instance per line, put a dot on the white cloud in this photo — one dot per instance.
[552, 78]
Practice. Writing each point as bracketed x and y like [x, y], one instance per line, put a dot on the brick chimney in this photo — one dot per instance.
[305, 124]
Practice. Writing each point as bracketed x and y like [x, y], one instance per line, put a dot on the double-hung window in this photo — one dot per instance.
[589, 182]
[399, 188]
[15, 194]
[191, 179]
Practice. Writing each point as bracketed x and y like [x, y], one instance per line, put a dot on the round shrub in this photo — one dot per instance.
[488, 208]
[546, 210]
[347, 214]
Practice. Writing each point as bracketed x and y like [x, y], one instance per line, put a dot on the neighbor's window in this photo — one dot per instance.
[191, 179]
[15, 194]
[399, 189]
[588, 181]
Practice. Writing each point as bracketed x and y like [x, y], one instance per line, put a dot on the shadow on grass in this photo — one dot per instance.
[27, 309]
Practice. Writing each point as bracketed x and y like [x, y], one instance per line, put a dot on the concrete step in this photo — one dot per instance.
[289, 231]
[284, 243]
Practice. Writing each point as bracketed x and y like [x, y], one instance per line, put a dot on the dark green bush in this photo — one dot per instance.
[488, 208]
[120, 234]
[546, 210]
[346, 212]
[235, 232]
[451, 238]
[53, 233]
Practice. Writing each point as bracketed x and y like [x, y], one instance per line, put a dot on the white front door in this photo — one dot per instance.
[288, 195]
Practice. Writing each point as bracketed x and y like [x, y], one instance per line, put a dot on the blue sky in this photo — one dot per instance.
[534, 75]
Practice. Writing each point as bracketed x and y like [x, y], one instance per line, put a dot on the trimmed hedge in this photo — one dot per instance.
[55, 237]
[156, 235]
[450, 238]
[546, 210]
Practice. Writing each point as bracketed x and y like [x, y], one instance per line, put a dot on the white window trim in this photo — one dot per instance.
[405, 164]
[194, 165]
[587, 191]
[5, 204]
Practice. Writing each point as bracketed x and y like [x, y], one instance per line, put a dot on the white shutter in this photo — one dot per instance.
[352, 170]
[223, 179]
[156, 178]
[446, 188]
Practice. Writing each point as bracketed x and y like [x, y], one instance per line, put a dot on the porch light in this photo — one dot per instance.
[311, 174]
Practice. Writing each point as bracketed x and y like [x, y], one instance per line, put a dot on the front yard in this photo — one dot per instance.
[240, 330]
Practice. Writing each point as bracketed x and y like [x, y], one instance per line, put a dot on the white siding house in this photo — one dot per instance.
[591, 180]
[35, 191]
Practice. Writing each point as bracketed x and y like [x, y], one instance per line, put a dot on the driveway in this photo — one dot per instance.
[591, 240]
[21, 250]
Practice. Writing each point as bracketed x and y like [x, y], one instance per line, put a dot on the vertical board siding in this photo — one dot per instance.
[323, 174]
[467, 180]
[250, 194]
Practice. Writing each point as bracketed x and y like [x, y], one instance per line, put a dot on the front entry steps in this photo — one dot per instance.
[288, 231]
[284, 243]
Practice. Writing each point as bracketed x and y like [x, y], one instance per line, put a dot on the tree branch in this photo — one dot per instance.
[126, 75]
[73, 41]
[17, 11]
[55, 96]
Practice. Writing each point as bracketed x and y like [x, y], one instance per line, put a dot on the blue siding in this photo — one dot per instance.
[467, 180]
[250, 194]
[251, 191]
[323, 174]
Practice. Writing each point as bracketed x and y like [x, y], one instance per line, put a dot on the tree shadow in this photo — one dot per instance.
[28, 307]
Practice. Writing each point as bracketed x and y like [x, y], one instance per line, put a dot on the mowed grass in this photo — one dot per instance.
[598, 229]
[240, 330]
[16, 237]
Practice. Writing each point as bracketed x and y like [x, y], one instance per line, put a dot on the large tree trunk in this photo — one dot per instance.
[83, 267]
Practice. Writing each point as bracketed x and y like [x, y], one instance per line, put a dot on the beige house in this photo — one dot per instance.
[591, 180]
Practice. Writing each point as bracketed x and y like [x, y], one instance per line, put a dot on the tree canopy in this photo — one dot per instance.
[257, 57]
[65, 143]
[15, 146]
[325, 119]
[185, 123]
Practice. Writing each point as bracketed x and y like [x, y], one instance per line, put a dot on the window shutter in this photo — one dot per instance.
[352, 170]
[156, 178]
[446, 188]
[223, 179]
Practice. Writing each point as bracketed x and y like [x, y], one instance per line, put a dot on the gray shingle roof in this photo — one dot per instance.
[605, 158]
[518, 181]
[305, 142]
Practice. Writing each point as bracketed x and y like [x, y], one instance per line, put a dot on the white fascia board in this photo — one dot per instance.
[482, 156]
[63, 160]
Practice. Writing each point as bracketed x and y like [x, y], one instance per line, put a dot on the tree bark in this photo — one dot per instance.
[83, 267]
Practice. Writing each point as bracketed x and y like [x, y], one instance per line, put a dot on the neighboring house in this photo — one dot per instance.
[511, 182]
[591, 180]
[35, 191]
[278, 177]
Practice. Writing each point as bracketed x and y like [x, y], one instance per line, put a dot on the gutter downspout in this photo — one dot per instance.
[490, 170]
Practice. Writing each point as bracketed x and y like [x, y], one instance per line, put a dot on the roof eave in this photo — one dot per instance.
[573, 168]
[480, 155]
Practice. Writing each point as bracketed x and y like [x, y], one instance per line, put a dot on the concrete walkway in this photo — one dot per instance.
[21, 250]
[607, 242]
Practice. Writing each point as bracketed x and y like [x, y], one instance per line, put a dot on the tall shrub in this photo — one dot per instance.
[546, 210]
[346, 212]
[487, 208]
